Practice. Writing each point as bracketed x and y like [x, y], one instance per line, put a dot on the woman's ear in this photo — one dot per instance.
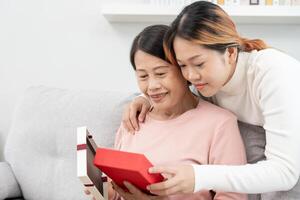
[232, 53]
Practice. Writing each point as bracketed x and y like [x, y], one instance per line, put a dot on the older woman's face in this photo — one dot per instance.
[160, 81]
[208, 70]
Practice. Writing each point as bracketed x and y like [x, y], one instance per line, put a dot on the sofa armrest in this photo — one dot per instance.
[9, 187]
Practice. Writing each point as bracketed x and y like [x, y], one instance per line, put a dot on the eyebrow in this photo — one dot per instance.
[191, 58]
[155, 68]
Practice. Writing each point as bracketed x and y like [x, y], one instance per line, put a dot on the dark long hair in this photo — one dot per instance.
[150, 41]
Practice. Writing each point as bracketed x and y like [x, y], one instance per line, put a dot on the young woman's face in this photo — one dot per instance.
[160, 81]
[208, 70]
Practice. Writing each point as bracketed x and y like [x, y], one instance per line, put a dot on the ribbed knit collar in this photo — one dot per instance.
[237, 84]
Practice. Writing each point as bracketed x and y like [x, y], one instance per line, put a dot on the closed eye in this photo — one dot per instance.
[200, 65]
[143, 76]
[160, 74]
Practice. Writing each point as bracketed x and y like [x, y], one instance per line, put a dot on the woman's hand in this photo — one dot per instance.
[138, 108]
[87, 192]
[179, 179]
[133, 193]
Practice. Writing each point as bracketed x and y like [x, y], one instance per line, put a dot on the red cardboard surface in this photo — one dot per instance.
[123, 166]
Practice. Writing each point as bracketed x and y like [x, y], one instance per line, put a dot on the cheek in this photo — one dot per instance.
[219, 73]
[184, 73]
[178, 77]
[143, 86]
[178, 85]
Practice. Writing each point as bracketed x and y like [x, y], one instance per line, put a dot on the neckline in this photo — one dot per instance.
[175, 119]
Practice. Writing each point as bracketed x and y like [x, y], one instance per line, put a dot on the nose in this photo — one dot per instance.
[192, 74]
[154, 84]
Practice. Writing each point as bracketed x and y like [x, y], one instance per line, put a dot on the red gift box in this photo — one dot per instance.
[123, 166]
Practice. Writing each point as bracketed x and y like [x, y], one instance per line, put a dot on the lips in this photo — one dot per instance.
[200, 86]
[157, 97]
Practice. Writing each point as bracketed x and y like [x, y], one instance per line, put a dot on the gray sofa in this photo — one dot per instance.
[40, 150]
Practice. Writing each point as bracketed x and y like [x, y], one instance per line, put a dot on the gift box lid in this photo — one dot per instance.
[123, 166]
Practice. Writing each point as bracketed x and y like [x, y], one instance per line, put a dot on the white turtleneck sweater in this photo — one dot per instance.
[264, 91]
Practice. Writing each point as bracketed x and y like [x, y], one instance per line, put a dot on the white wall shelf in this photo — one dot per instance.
[240, 14]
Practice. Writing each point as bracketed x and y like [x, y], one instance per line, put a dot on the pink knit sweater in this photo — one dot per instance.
[205, 135]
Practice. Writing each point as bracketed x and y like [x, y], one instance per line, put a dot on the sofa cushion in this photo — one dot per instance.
[9, 187]
[41, 145]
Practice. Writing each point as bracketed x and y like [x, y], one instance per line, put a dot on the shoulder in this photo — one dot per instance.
[269, 54]
[271, 58]
[271, 77]
[270, 68]
[214, 113]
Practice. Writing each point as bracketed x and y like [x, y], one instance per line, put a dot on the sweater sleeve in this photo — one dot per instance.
[227, 148]
[274, 86]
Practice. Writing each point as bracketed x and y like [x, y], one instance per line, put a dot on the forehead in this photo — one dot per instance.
[185, 49]
[147, 61]
[180, 42]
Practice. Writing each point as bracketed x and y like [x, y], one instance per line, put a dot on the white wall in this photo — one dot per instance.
[68, 44]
